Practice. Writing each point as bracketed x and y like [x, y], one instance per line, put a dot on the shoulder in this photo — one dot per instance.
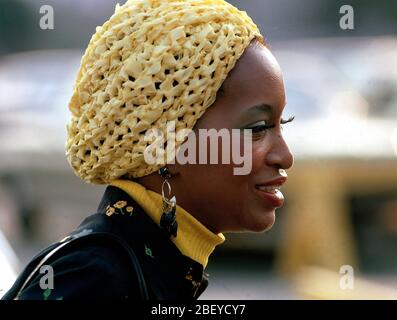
[91, 271]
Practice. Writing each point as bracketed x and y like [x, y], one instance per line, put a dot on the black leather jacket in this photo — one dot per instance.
[99, 271]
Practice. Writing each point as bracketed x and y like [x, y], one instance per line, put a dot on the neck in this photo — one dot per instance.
[193, 238]
[154, 181]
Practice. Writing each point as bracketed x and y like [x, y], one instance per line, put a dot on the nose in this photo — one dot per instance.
[279, 154]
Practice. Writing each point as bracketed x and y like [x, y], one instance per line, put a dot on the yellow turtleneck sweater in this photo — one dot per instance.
[194, 240]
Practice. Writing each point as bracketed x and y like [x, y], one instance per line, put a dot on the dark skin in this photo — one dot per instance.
[219, 199]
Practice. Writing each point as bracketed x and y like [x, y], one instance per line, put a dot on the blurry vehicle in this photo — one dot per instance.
[8, 265]
[34, 91]
[340, 90]
[343, 189]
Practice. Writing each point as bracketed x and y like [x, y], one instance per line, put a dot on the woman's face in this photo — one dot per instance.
[253, 97]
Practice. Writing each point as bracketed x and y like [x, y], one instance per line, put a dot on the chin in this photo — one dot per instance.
[261, 222]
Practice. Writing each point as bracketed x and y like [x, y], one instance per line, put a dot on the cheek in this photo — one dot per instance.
[259, 154]
[237, 189]
[218, 190]
[255, 216]
[227, 191]
[240, 207]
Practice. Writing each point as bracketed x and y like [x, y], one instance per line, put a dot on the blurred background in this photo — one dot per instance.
[341, 197]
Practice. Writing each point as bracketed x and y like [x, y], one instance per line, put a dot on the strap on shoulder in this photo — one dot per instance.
[78, 239]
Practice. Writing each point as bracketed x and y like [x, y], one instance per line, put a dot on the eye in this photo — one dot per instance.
[290, 119]
[259, 126]
[283, 121]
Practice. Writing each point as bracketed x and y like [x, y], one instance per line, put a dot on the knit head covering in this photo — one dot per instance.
[153, 61]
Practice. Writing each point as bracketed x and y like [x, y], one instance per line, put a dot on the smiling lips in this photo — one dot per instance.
[270, 191]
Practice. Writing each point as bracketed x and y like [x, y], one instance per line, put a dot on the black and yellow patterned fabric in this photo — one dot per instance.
[99, 271]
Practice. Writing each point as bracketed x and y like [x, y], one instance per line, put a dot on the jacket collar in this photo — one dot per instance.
[162, 262]
[193, 238]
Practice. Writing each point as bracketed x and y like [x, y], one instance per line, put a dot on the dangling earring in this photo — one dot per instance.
[168, 219]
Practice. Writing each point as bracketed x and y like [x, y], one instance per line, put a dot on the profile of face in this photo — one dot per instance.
[253, 97]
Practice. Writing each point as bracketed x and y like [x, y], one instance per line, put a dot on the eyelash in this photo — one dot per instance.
[260, 128]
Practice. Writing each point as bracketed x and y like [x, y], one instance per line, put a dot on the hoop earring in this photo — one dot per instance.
[168, 218]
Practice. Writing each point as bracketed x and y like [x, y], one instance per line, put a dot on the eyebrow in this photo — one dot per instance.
[255, 111]
[258, 109]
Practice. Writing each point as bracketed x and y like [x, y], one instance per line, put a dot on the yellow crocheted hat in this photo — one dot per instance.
[153, 61]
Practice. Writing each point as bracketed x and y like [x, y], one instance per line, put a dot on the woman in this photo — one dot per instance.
[196, 64]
